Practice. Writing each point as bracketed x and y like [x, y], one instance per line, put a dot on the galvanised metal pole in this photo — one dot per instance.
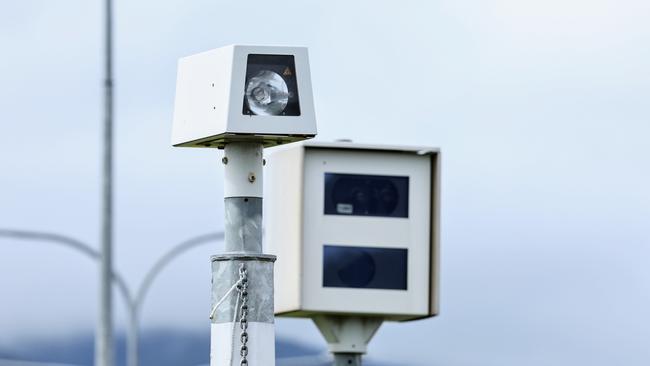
[242, 278]
[104, 337]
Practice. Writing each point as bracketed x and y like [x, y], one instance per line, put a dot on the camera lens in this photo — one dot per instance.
[365, 267]
[267, 93]
[354, 268]
[366, 195]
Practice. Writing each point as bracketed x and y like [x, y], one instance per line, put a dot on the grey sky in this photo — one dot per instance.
[541, 109]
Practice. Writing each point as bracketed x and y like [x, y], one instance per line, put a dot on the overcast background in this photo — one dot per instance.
[541, 109]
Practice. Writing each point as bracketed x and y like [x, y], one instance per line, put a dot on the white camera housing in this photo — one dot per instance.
[210, 105]
[340, 254]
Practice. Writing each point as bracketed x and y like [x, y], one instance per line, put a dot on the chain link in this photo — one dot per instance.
[243, 320]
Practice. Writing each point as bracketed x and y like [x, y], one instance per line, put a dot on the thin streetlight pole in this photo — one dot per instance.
[72, 243]
[104, 346]
[133, 357]
[135, 303]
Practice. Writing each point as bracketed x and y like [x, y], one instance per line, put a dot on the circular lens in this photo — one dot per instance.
[357, 270]
[387, 197]
[267, 94]
[358, 196]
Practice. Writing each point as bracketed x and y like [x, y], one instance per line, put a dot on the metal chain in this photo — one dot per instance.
[243, 320]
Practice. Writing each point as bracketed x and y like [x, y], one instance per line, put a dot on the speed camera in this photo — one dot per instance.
[244, 93]
[355, 228]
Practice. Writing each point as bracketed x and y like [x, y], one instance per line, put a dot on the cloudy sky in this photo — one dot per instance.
[541, 109]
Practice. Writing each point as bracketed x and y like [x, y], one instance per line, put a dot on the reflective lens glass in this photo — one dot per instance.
[365, 267]
[267, 93]
[366, 195]
[271, 86]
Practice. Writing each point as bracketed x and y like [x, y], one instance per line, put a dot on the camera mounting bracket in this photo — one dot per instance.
[347, 336]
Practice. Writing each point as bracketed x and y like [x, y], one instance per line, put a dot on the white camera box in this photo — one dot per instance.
[243, 93]
[355, 228]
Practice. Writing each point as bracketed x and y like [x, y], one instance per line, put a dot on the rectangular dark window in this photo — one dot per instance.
[365, 267]
[271, 86]
[366, 195]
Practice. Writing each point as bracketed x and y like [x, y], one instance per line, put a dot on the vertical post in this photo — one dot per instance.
[104, 337]
[132, 341]
[242, 278]
[347, 359]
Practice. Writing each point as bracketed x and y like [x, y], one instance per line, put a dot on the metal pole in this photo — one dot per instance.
[347, 359]
[242, 278]
[104, 339]
[132, 338]
[133, 357]
[72, 243]
[133, 304]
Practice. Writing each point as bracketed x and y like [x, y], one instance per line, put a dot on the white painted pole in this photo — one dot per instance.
[248, 341]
